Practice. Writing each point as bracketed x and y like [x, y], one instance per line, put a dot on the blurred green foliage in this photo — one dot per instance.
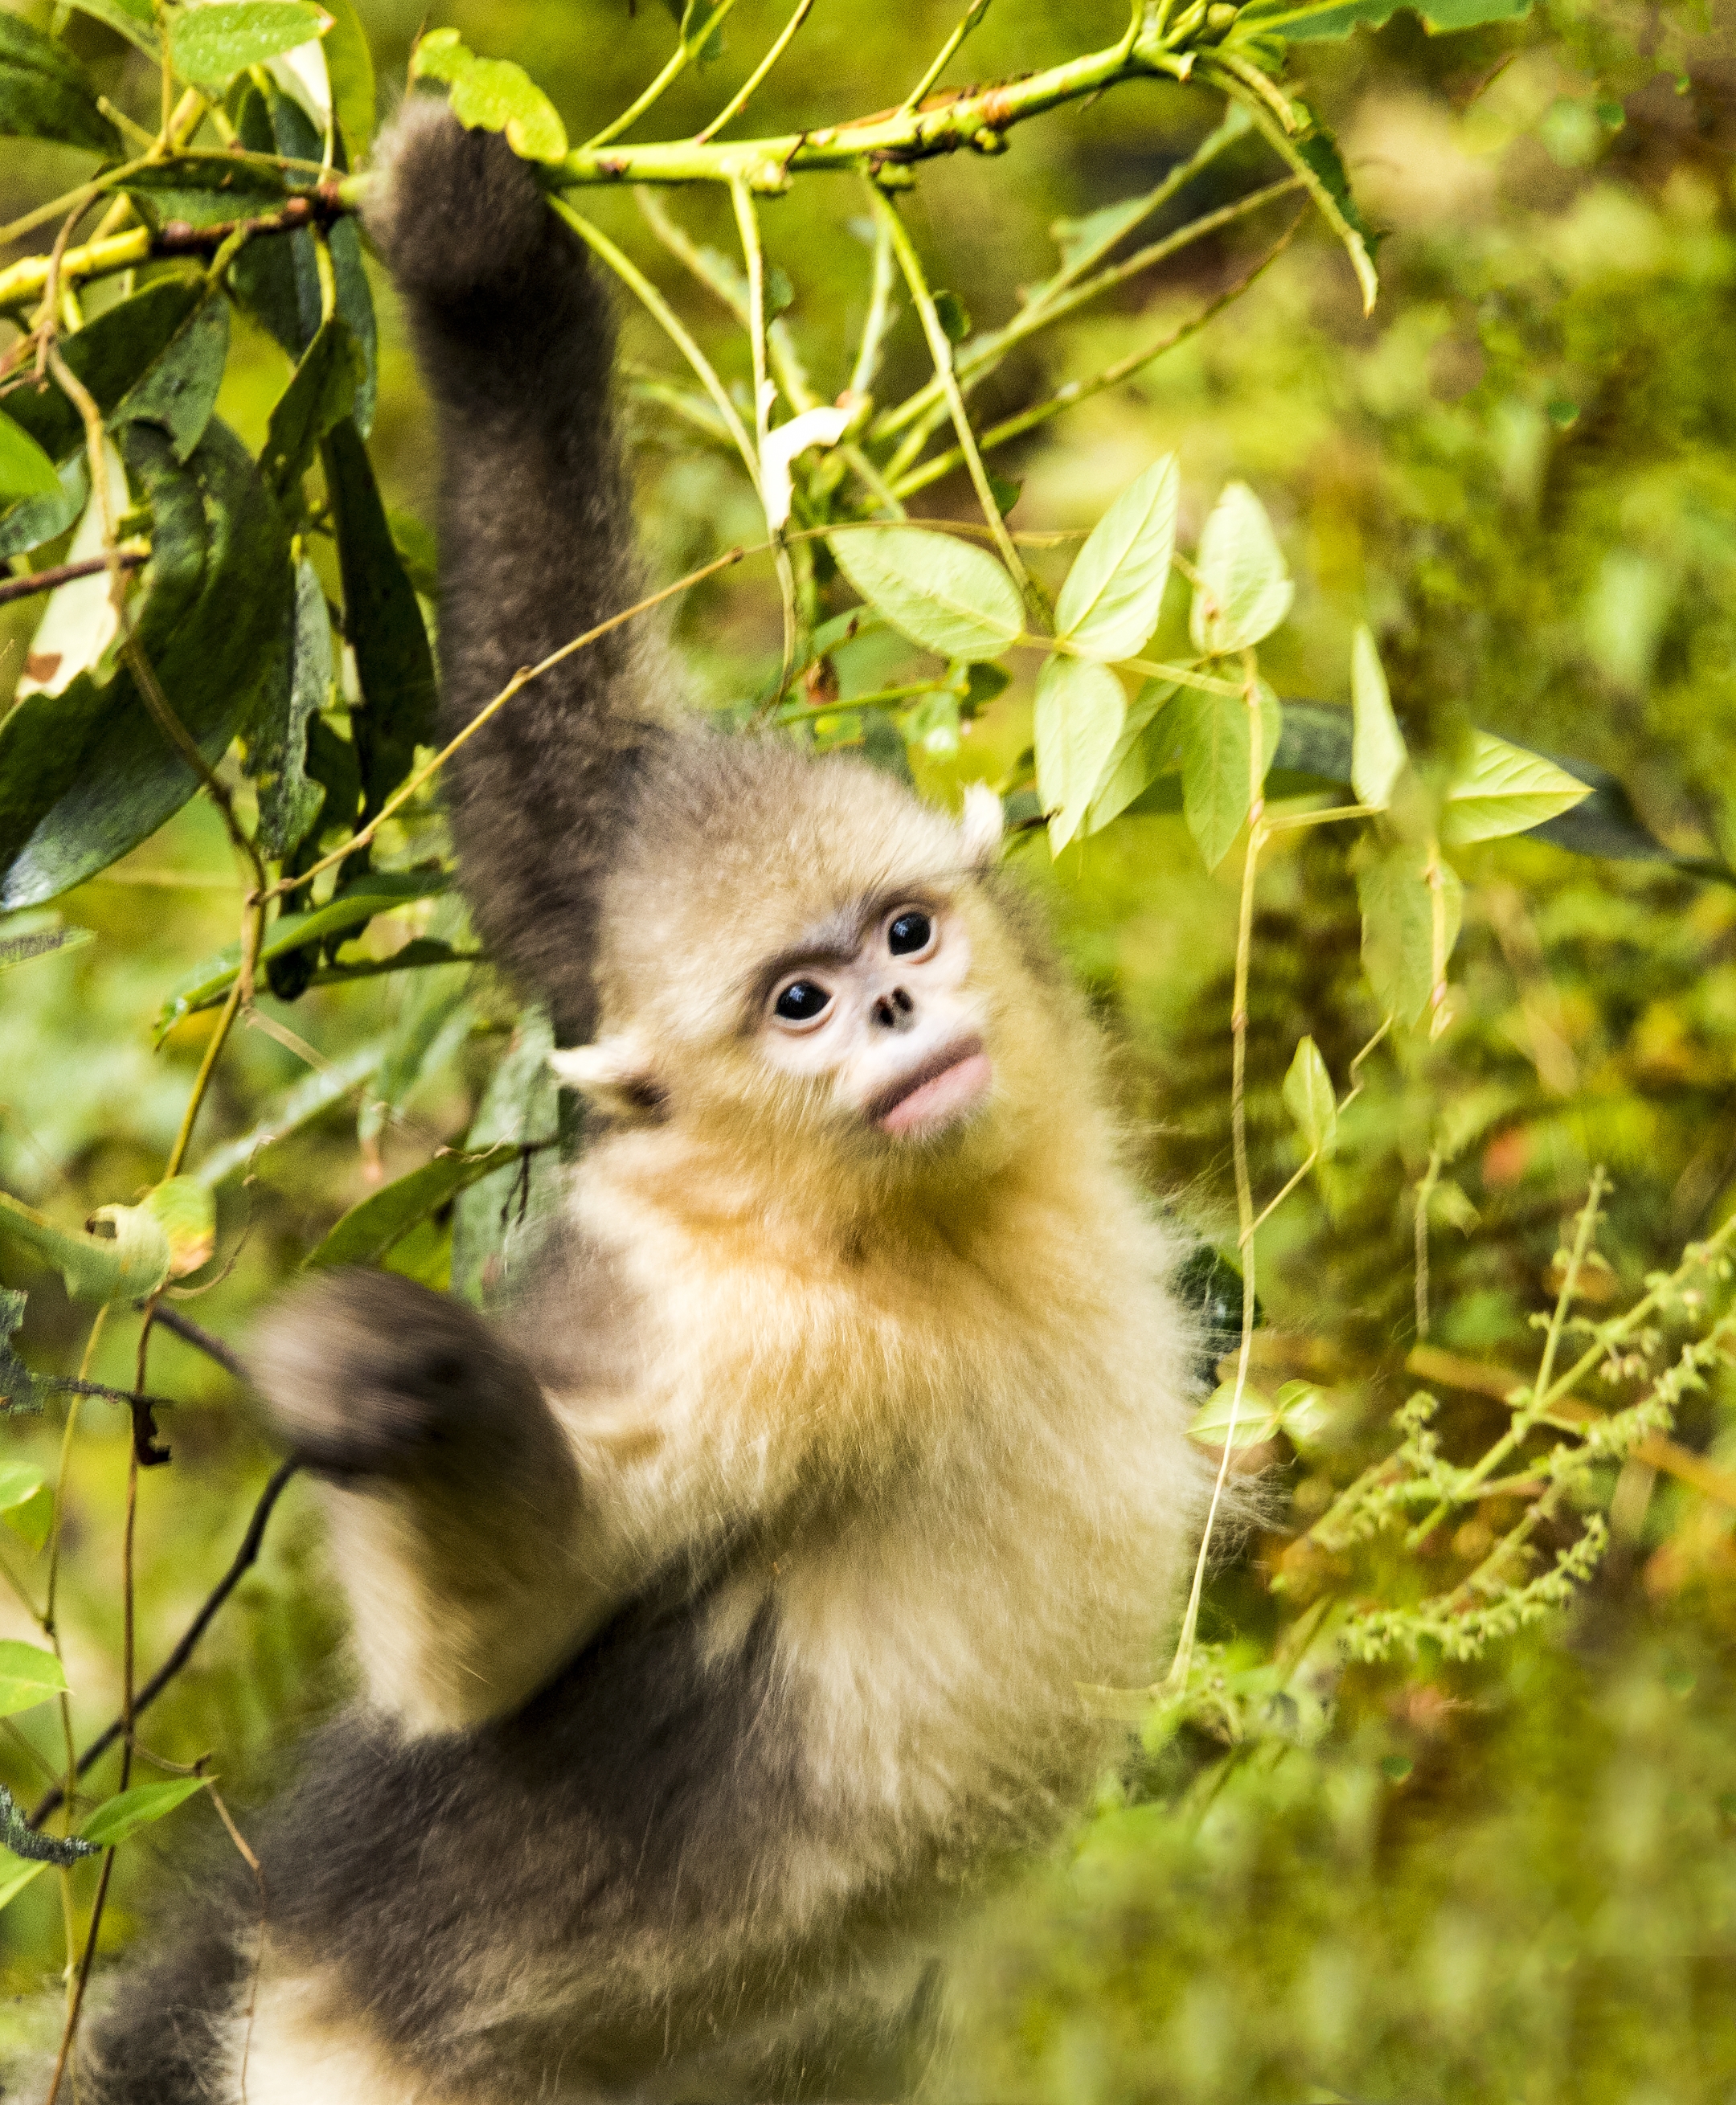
[1509, 1880]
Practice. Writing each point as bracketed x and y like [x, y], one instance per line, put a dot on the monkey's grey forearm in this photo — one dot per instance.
[453, 1493]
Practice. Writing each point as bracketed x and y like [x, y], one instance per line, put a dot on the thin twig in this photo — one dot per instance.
[202, 1340]
[678, 61]
[748, 227]
[63, 574]
[743, 95]
[972, 15]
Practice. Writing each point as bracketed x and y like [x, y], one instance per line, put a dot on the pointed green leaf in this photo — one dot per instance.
[26, 1501]
[1502, 788]
[277, 755]
[29, 1676]
[124, 1267]
[313, 1094]
[382, 621]
[1398, 906]
[210, 45]
[492, 95]
[178, 390]
[1310, 1099]
[1138, 757]
[367, 1231]
[1244, 590]
[25, 470]
[205, 189]
[1377, 753]
[350, 63]
[45, 94]
[941, 592]
[128, 1810]
[1080, 711]
[1223, 1420]
[1216, 752]
[1110, 602]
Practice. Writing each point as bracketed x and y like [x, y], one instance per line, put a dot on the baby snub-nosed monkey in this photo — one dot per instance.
[720, 1602]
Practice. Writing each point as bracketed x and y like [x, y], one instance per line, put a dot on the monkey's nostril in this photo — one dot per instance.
[902, 1002]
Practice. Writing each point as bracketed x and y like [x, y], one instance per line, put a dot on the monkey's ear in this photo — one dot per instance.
[615, 1073]
[980, 826]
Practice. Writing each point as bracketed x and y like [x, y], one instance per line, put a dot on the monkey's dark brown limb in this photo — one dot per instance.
[244, 1558]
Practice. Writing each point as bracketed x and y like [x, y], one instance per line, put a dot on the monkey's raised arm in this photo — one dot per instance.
[515, 338]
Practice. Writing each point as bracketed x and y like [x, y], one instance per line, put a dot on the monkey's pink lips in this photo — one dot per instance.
[936, 1094]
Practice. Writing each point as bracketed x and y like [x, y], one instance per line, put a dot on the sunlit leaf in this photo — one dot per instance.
[45, 94]
[492, 95]
[210, 45]
[939, 591]
[25, 470]
[29, 1676]
[26, 1501]
[182, 1207]
[126, 1266]
[1227, 1420]
[1110, 602]
[1080, 711]
[1398, 908]
[1137, 757]
[350, 63]
[367, 1231]
[1502, 788]
[128, 1810]
[1377, 753]
[1217, 745]
[1244, 590]
[1311, 1100]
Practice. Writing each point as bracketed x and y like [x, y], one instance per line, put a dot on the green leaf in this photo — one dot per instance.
[205, 189]
[351, 909]
[25, 470]
[12, 1886]
[1316, 21]
[108, 354]
[1398, 906]
[500, 1217]
[210, 45]
[1109, 604]
[1080, 711]
[350, 63]
[21, 1389]
[34, 520]
[1216, 755]
[178, 390]
[418, 551]
[1310, 1099]
[1502, 788]
[382, 621]
[313, 1094]
[87, 775]
[125, 1266]
[18, 1835]
[131, 19]
[28, 1676]
[954, 316]
[492, 95]
[128, 1810]
[1141, 752]
[321, 393]
[1377, 754]
[367, 1231]
[433, 1023]
[277, 756]
[941, 592]
[1244, 590]
[41, 943]
[26, 1501]
[183, 1209]
[1225, 1421]
[45, 94]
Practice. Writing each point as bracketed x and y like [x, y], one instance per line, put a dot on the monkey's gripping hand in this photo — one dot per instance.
[454, 1496]
[366, 1373]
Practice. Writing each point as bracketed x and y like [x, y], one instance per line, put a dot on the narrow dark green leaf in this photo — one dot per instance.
[128, 1810]
[45, 94]
[131, 19]
[178, 390]
[109, 356]
[289, 802]
[350, 66]
[206, 189]
[382, 621]
[367, 1231]
[86, 775]
[322, 391]
[349, 912]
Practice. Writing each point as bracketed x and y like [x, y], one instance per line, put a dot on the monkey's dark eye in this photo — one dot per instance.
[909, 933]
[802, 1001]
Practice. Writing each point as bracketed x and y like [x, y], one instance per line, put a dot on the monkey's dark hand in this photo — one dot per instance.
[366, 1373]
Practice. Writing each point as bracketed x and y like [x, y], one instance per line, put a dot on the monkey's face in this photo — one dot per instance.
[877, 1007]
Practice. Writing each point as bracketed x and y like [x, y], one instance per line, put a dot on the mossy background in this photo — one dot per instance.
[1514, 1880]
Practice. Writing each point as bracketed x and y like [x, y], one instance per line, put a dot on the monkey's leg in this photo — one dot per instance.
[453, 1492]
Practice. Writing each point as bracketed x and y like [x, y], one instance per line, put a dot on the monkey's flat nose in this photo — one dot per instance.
[894, 1011]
